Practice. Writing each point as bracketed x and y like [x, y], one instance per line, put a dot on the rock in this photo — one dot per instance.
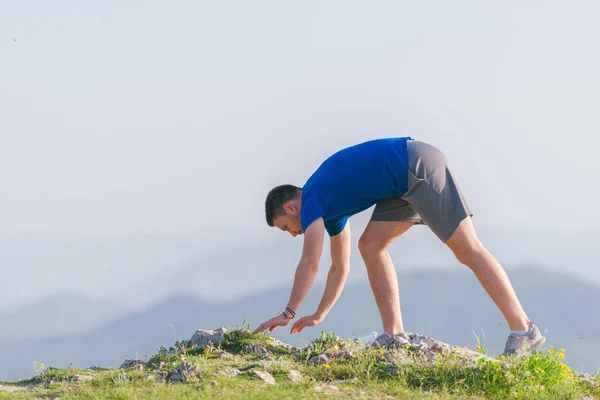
[265, 364]
[175, 376]
[189, 369]
[128, 363]
[425, 349]
[297, 352]
[225, 356]
[149, 377]
[257, 349]
[588, 378]
[398, 357]
[343, 354]
[402, 339]
[392, 369]
[204, 338]
[265, 376]
[294, 375]
[273, 342]
[233, 372]
[81, 378]
[185, 371]
[213, 383]
[330, 389]
[319, 359]
[345, 381]
[229, 372]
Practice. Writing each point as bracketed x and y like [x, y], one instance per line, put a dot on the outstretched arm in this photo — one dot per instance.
[305, 273]
[340, 266]
[309, 263]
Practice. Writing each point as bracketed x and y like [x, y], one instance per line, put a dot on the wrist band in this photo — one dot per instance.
[292, 313]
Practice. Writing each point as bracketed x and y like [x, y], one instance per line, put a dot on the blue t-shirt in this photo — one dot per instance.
[354, 179]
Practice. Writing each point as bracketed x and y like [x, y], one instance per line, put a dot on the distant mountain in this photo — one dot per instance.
[450, 306]
[141, 268]
[262, 264]
[59, 314]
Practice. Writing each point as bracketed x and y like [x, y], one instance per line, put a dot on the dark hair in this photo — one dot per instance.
[276, 198]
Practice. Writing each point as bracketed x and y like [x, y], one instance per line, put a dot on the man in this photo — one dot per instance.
[409, 182]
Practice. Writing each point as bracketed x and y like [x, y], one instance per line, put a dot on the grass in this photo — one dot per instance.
[348, 371]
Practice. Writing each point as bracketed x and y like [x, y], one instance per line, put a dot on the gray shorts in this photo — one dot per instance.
[433, 197]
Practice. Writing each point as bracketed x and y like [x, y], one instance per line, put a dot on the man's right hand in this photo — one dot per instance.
[273, 323]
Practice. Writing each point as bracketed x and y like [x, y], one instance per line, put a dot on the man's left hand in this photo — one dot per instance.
[309, 320]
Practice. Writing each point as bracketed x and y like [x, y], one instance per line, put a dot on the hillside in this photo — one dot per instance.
[448, 305]
[238, 364]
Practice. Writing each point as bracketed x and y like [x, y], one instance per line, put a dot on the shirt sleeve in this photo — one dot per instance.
[335, 226]
[311, 210]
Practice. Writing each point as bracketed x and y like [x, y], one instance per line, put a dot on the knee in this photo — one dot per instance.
[470, 254]
[370, 246]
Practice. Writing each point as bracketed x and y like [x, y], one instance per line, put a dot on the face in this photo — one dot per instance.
[290, 222]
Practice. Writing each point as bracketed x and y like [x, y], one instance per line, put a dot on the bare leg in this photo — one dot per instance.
[373, 246]
[468, 249]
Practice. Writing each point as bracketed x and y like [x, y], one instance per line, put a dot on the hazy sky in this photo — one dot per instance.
[175, 118]
[120, 117]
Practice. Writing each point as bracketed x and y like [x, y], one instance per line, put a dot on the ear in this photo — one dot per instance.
[289, 207]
